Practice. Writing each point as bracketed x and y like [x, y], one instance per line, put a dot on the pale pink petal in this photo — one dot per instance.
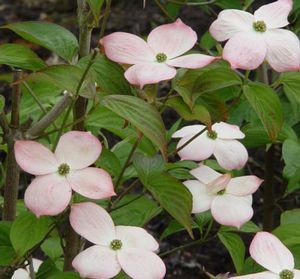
[191, 61]
[275, 14]
[188, 130]
[48, 194]
[141, 264]
[268, 251]
[218, 184]
[149, 73]
[78, 149]
[97, 262]
[205, 174]
[227, 131]
[230, 210]
[172, 39]
[296, 274]
[92, 183]
[92, 222]
[245, 51]
[283, 50]
[230, 154]
[23, 273]
[229, 23]
[244, 185]
[35, 158]
[201, 199]
[198, 149]
[127, 48]
[261, 275]
[135, 237]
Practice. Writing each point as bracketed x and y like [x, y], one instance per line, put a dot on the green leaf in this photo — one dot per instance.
[108, 75]
[110, 162]
[19, 56]
[248, 227]
[95, 6]
[290, 217]
[48, 35]
[4, 233]
[289, 234]
[215, 79]
[52, 247]
[291, 84]
[7, 255]
[198, 112]
[147, 167]
[2, 103]
[65, 275]
[141, 115]
[294, 182]
[207, 41]
[267, 105]
[291, 157]
[135, 211]
[236, 248]
[27, 231]
[174, 197]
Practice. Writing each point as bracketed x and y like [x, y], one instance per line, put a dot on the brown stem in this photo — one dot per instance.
[268, 195]
[12, 171]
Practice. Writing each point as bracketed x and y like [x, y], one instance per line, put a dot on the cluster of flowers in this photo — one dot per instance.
[252, 39]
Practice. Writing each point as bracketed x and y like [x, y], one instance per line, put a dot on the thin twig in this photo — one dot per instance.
[105, 18]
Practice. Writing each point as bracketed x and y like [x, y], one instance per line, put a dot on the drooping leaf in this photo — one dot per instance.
[236, 248]
[7, 255]
[19, 56]
[27, 231]
[291, 157]
[141, 115]
[48, 35]
[52, 247]
[267, 105]
[291, 84]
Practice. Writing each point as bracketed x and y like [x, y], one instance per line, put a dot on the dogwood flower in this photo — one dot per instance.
[229, 199]
[24, 273]
[154, 60]
[57, 174]
[220, 141]
[268, 251]
[116, 247]
[258, 37]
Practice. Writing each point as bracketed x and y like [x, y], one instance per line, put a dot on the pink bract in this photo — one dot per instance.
[116, 247]
[154, 60]
[255, 38]
[221, 142]
[229, 199]
[268, 251]
[60, 172]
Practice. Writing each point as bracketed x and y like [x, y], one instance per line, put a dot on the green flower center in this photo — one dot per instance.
[212, 134]
[259, 26]
[222, 192]
[161, 57]
[286, 274]
[63, 169]
[116, 244]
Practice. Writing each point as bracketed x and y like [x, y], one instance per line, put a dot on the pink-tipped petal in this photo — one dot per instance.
[261, 275]
[198, 149]
[191, 61]
[188, 130]
[275, 14]
[268, 251]
[135, 237]
[172, 39]
[201, 199]
[149, 73]
[244, 185]
[35, 158]
[245, 51]
[93, 223]
[78, 149]
[230, 210]
[283, 50]
[48, 195]
[97, 262]
[141, 264]
[229, 23]
[92, 183]
[230, 154]
[296, 273]
[205, 174]
[127, 48]
[227, 131]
